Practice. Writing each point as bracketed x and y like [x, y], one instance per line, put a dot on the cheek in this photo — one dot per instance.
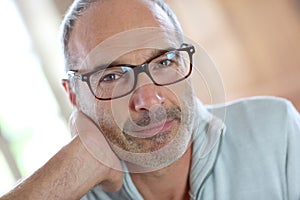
[120, 110]
[177, 93]
[98, 111]
[181, 95]
[85, 99]
[111, 114]
[102, 112]
[104, 118]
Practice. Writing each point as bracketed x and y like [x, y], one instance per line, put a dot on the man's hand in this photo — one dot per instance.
[75, 169]
[96, 144]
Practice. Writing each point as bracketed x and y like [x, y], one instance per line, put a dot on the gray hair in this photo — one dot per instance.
[77, 9]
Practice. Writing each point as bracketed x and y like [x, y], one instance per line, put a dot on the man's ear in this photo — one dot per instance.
[70, 92]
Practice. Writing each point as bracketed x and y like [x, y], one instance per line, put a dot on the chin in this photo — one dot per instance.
[161, 157]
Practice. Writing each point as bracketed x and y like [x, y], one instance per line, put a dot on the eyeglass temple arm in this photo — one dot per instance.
[73, 73]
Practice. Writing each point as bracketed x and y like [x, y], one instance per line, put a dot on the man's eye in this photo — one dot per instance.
[166, 63]
[110, 77]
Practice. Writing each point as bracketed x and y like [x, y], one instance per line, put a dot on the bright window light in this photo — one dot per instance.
[29, 114]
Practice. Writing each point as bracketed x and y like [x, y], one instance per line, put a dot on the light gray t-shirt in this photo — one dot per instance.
[253, 155]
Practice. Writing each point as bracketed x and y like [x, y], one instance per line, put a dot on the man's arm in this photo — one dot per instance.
[69, 174]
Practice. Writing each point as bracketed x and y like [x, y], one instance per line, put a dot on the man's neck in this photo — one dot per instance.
[171, 182]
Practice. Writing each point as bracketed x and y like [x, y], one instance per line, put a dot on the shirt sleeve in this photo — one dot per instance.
[293, 154]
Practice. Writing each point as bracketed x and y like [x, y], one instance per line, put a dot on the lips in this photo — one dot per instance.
[152, 129]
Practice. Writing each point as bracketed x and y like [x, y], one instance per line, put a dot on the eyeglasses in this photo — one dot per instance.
[119, 80]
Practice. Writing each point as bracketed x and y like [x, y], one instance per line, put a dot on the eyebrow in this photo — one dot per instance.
[152, 55]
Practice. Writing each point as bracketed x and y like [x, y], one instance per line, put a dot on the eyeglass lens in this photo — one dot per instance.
[116, 81]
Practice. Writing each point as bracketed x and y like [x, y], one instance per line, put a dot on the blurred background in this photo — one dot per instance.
[255, 45]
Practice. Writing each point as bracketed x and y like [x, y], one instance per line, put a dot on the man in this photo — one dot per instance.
[140, 133]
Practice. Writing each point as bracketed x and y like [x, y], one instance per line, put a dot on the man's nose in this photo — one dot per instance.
[146, 96]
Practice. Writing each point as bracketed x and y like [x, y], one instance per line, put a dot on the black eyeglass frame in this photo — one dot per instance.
[190, 49]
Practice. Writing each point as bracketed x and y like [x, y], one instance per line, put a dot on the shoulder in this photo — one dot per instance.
[255, 103]
[254, 109]
[256, 116]
[260, 135]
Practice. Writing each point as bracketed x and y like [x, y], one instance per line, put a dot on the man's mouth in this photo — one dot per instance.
[152, 129]
[153, 124]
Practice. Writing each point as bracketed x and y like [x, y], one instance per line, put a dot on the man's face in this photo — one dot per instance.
[148, 127]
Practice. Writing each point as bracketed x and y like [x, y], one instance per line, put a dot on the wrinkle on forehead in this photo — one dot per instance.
[129, 42]
[105, 19]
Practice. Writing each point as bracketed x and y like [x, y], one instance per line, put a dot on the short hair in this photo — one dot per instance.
[77, 9]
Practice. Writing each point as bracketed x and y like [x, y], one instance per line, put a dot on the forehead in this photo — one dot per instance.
[118, 26]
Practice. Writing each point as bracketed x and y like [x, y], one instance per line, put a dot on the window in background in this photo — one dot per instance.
[29, 114]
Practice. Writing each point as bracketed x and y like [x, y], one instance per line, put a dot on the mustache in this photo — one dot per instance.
[147, 118]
